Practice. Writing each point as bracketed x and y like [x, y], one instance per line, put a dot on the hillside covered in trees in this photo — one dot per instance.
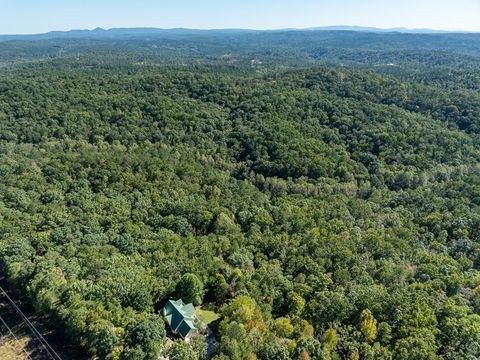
[324, 208]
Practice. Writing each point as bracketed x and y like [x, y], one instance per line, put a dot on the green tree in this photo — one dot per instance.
[308, 348]
[147, 334]
[218, 287]
[180, 350]
[330, 340]
[190, 289]
[296, 304]
[274, 348]
[283, 327]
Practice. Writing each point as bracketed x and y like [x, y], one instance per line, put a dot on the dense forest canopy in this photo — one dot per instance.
[319, 191]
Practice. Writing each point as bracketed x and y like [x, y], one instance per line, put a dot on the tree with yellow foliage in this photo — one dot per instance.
[368, 325]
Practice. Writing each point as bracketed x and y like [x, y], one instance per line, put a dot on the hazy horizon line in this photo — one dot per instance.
[320, 27]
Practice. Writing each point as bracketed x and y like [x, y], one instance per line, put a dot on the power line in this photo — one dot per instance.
[16, 339]
[37, 334]
[53, 354]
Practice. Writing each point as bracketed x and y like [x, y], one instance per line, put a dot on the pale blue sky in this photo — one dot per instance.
[34, 16]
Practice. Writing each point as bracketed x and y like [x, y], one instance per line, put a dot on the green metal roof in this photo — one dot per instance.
[185, 328]
[177, 319]
[179, 316]
[189, 310]
[168, 308]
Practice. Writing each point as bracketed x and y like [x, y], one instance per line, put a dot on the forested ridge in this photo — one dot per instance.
[324, 211]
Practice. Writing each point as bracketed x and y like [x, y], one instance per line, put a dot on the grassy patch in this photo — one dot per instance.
[206, 316]
[13, 349]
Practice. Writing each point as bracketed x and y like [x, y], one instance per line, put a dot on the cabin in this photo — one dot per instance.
[181, 318]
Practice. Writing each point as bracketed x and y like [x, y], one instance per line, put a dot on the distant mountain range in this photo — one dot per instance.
[374, 29]
[147, 31]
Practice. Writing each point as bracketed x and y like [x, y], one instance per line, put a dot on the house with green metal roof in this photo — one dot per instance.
[181, 318]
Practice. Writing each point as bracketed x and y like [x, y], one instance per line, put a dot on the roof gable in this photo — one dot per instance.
[189, 310]
[186, 327]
